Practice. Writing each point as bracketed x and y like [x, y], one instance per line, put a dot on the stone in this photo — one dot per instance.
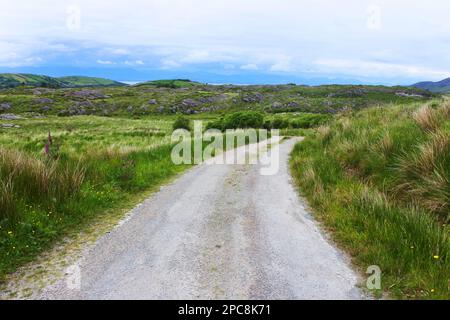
[10, 116]
[5, 106]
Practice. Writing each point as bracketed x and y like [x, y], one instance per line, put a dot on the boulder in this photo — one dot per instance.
[9, 125]
[5, 106]
[10, 116]
[43, 101]
[87, 94]
[46, 109]
[190, 103]
[152, 101]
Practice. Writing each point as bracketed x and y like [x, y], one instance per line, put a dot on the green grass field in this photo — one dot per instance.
[379, 180]
[374, 167]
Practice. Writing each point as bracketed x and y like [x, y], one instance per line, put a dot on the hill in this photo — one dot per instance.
[12, 80]
[80, 81]
[438, 87]
[173, 83]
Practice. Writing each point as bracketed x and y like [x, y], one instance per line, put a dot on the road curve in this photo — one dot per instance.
[217, 232]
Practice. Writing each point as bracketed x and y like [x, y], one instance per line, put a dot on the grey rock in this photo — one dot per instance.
[43, 101]
[46, 109]
[152, 101]
[5, 106]
[190, 103]
[10, 116]
[9, 125]
[88, 94]
[253, 98]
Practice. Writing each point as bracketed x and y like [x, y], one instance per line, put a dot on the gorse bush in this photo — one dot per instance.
[243, 120]
[181, 123]
[306, 121]
[380, 179]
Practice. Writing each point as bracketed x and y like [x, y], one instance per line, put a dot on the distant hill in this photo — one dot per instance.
[438, 87]
[79, 81]
[11, 80]
[174, 83]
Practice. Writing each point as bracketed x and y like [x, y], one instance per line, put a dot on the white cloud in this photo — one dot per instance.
[169, 64]
[106, 62]
[134, 63]
[120, 51]
[288, 36]
[250, 66]
[380, 69]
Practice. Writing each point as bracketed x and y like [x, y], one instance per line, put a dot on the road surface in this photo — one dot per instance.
[217, 232]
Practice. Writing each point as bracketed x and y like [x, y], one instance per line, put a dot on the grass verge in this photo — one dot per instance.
[378, 179]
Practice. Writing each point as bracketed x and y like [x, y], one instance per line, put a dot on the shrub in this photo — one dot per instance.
[217, 124]
[243, 120]
[306, 121]
[181, 123]
[279, 123]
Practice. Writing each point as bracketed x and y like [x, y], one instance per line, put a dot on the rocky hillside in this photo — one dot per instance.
[439, 87]
[12, 80]
[195, 98]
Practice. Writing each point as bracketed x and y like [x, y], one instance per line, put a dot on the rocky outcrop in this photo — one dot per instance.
[5, 107]
[10, 116]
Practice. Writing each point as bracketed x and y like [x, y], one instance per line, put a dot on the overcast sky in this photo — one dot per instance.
[242, 41]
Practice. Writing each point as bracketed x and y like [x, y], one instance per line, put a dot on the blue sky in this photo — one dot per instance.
[229, 41]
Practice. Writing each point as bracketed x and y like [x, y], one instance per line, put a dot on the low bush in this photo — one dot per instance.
[181, 123]
[243, 120]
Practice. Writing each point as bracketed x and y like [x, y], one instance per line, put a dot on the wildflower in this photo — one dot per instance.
[432, 290]
[436, 257]
[10, 233]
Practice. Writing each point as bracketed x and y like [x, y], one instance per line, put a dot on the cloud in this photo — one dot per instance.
[106, 62]
[134, 63]
[169, 64]
[402, 38]
[250, 66]
[380, 69]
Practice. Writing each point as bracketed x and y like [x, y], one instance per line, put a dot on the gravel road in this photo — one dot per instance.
[217, 232]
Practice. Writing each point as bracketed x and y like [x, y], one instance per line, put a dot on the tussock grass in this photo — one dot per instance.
[379, 179]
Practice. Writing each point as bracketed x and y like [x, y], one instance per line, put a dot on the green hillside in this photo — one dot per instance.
[173, 84]
[12, 80]
[79, 81]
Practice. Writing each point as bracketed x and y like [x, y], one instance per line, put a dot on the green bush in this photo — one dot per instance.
[181, 123]
[243, 120]
[280, 123]
[306, 121]
[217, 124]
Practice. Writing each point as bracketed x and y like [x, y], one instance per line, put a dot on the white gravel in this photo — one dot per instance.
[217, 232]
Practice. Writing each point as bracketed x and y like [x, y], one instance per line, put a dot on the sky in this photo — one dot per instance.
[229, 41]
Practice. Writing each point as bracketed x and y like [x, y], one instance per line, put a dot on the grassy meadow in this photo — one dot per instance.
[379, 180]
[92, 164]
[375, 165]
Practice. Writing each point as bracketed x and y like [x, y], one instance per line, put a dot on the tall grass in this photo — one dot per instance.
[379, 179]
